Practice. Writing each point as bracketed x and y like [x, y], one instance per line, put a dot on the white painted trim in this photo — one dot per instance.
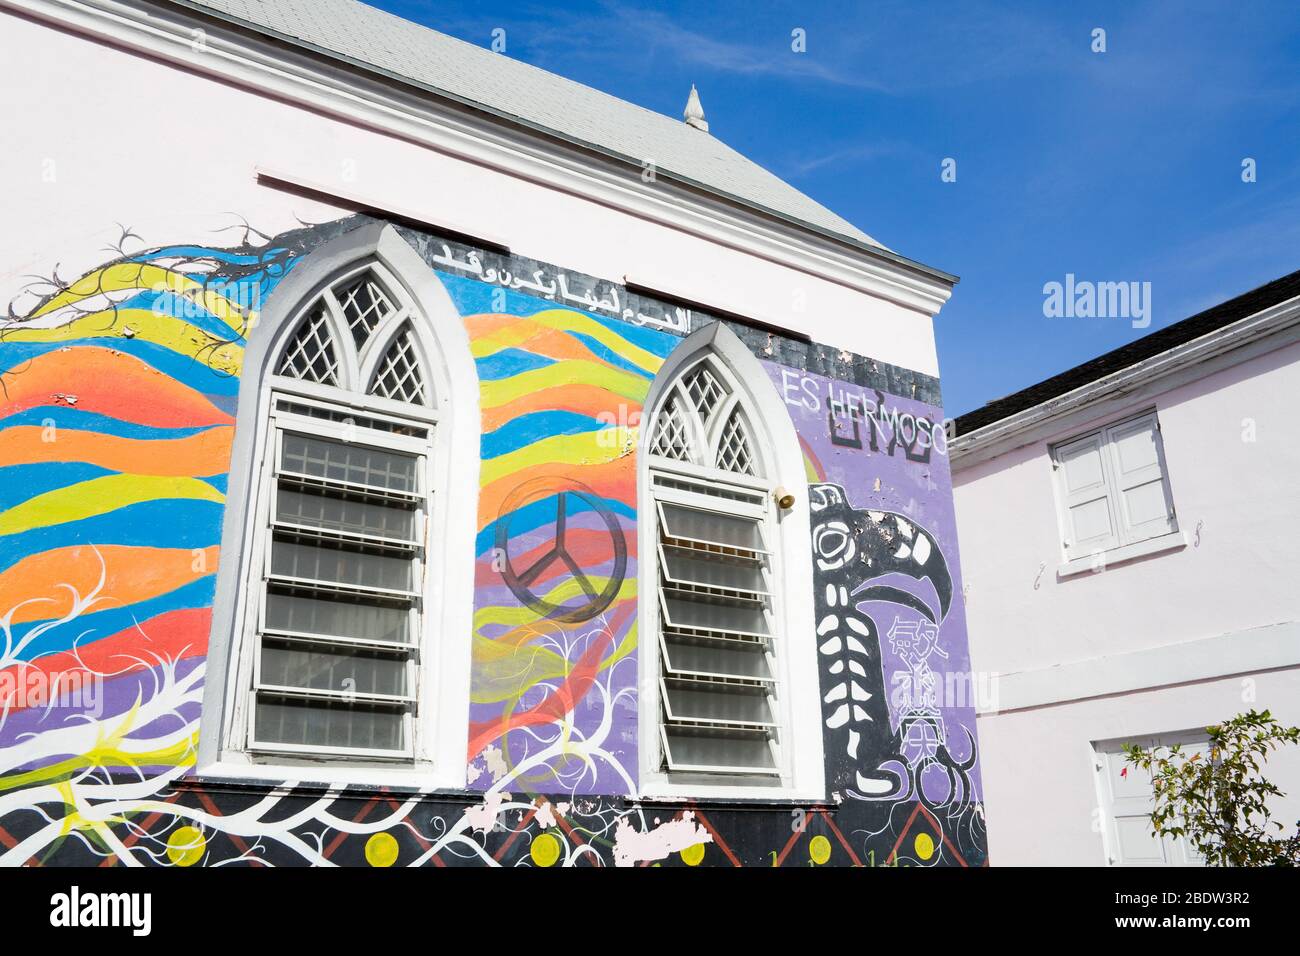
[165, 33]
[1127, 552]
[798, 683]
[1269, 330]
[394, 208]
[333, 777]
[1237, 652]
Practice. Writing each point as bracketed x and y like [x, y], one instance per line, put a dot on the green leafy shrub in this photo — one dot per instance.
[1218, 801]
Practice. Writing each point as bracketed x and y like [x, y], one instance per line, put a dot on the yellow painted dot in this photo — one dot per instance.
[545, 850]
[924, 844]
[381, 849]
[819, 849]
[693, 855]
[185, 846]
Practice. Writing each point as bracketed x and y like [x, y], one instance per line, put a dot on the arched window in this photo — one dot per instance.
[704, 423]
[343, 584]
[727, 578]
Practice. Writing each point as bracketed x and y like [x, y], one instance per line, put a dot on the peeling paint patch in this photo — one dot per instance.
[632, 847]
[484, 818]
[496, 762]
[545, 816]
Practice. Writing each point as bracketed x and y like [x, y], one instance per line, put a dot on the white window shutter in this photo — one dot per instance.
[1128, 792]
[1144, 506]
[1180, 851]
[1128, 798]
[716, 639]
[1088, 521]
[336, 653]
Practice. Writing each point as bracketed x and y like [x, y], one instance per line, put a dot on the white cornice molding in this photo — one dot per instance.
[1256, 649]
[1265, 331]
[167, 33]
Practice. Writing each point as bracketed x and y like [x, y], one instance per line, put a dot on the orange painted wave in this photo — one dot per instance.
[130, 575]
[613, 480]
[110, 383]
[207, 453]
[547, 342]
[591, 400]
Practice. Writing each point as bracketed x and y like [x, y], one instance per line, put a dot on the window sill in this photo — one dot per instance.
[1139, 549]
[716, 801]
[657, 790]
[363, 783]
[324, 778]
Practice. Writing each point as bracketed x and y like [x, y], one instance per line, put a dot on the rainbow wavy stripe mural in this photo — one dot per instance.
[554, 645]
[118, 402]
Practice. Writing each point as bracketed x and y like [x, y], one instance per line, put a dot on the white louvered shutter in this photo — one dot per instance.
[715, 531]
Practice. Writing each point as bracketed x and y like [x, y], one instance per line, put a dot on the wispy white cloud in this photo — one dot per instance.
[890, 47]
[1224, 262]
[843, 156]
[717, 51]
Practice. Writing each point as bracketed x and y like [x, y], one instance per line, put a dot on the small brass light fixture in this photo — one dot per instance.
[784, 498]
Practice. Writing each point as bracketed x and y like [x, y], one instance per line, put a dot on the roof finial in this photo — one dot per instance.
[694, 114]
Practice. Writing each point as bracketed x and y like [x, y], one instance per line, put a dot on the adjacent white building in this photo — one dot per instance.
[1130, 532]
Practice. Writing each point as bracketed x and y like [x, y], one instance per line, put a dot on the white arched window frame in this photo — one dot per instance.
[717, 440]
[412, 346]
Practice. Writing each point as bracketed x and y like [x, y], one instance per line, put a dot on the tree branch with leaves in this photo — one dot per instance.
[1218, 800]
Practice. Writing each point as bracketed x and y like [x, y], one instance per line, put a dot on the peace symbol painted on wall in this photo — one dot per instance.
[570, 497]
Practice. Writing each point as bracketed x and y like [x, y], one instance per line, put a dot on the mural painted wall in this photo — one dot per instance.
[554, 653]
[119, 394]
[898, 696]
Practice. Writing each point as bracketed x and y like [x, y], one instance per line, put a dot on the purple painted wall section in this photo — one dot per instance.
[889, 456]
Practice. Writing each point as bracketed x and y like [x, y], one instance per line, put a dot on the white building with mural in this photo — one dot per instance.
[1130, 533]
[412, 457]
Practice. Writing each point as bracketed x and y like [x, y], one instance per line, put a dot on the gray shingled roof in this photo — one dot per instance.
[532, 96]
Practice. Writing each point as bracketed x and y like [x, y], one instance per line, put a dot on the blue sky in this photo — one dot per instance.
[1117, 166]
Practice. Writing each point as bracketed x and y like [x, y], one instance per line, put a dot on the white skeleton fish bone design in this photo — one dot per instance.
[850, 549]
